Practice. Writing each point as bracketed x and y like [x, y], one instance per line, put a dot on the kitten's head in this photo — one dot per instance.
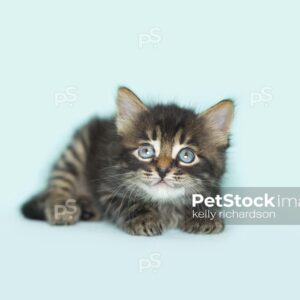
[172, 152]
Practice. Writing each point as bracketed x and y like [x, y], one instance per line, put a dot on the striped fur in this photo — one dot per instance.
[100, 174]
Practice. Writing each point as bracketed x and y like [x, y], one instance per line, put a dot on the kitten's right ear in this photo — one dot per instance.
[129, 106]
[217, 121]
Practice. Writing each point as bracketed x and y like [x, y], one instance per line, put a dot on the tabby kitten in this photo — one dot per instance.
[140, 169]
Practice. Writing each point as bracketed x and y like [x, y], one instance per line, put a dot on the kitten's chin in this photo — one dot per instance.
[163, 192]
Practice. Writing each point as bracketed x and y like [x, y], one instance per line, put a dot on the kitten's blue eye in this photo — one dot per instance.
[186, 155]
[146, 151]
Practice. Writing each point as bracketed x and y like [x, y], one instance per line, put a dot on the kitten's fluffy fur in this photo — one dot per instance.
[103, 172]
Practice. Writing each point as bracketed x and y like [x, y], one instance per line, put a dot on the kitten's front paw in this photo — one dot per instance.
[203, 226]
[60, 214]
[90, 211]
[147, 225]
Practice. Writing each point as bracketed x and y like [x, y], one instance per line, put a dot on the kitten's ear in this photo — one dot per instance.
[129, 106]
[217, 121]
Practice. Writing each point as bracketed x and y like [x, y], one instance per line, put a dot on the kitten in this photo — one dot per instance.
[140, 169]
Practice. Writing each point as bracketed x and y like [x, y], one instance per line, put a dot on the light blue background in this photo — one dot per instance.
[205, 51]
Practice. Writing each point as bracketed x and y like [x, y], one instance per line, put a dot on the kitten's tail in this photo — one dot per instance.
[35, 208]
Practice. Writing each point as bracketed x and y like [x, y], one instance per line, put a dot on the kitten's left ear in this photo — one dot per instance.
[217, 121]
[129, 107]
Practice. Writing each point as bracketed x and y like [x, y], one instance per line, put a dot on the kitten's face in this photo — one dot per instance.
[172, 152]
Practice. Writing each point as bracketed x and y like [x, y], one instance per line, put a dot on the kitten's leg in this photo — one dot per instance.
[145, 223]
[137, 218]
[90, 209]
[208, 224]
[68, 197]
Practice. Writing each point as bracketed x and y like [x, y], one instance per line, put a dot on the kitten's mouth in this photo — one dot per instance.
[162, 183]
[162, 190]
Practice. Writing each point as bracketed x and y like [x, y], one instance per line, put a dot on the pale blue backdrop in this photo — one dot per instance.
[61, 62]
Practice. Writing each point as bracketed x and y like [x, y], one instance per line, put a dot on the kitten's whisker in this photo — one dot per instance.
[116, 175]
[124, 197]
[115, 191]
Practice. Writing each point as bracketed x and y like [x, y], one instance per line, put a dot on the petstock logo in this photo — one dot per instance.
[256, 206]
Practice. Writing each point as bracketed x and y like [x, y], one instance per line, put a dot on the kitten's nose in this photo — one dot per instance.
[162, 172]
[163, 165]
